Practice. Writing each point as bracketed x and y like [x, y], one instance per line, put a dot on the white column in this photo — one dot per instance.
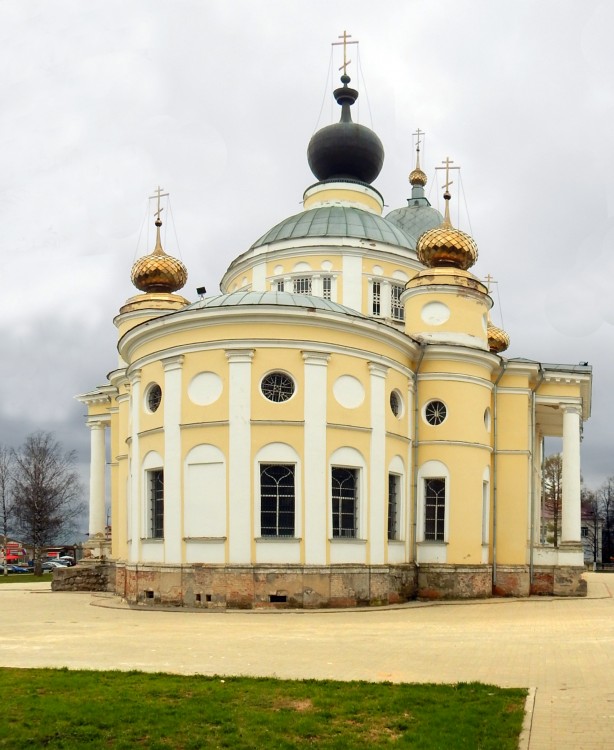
[570, 528]
[239, 455]
[316, 285]
[378, 507]
[385, 299]
[135, 511]
[315, 527]
[173, 505]
[352, 282]
[98, 518]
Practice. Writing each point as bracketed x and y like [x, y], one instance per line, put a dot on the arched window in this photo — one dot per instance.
[277, 500]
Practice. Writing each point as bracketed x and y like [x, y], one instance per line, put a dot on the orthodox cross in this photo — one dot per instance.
[159, 194]
[418, 134]
[448, 162]
[345, 36]
[489, 281]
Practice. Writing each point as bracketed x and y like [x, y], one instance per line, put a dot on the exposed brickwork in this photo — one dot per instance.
[437, 581]
[248, 587]
[311, 587]
[512, 581]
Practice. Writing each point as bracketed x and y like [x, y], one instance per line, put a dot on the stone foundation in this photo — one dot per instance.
[311, 587]
[264, 586]
[98, 576]
[437, 581]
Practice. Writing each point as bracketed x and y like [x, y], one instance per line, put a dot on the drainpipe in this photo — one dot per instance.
[423, 346]
[532, 484]
[494, 473]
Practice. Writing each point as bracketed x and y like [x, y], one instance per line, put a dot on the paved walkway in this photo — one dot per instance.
[563, 648]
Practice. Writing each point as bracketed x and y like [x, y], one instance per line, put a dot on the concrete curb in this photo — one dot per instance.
[524, 741]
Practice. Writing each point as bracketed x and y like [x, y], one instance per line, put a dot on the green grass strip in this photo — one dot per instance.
[47, 708]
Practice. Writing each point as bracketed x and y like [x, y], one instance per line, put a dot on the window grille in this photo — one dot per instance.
[434, 509]
[376, 300]
[395, 404]
[277, 386]
[327, 287]
[394, 494]
[156, 503]
[345, 502]
[435, 412]
[396, 308]
[302, 285]
[277, 500]
[154, 397]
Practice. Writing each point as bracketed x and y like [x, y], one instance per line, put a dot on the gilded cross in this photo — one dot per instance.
[489, 281]
[345, 36]
[418, 134]
[448, 166]
[159, 194]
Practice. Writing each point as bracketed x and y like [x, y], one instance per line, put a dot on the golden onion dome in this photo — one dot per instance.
[447, 246]
[158, 272]
[498, 340]
[417, 178]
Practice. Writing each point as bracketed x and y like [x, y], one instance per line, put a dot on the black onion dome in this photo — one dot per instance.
[345, 150]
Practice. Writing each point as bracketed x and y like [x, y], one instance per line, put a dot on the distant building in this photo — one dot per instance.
[339, 426]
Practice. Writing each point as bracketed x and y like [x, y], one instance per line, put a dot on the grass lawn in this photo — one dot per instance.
[24, 577]
[77, 709]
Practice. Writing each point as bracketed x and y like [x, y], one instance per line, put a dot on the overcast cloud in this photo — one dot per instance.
[216, 101]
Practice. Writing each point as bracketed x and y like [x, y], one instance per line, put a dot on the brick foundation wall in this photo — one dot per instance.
[437, 581]
[262, 586]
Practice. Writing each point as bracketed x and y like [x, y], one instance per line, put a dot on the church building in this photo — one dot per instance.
[339, 426]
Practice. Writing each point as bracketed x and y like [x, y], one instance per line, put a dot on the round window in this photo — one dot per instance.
[153, 397]
[277, 386]
[435, 412]
[396, 404]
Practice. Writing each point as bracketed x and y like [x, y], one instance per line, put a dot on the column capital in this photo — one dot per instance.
[98, 422]
[572, 409]
[239, 355]
[315, 358]
[134, 376]
[172, 363]
[380, 371]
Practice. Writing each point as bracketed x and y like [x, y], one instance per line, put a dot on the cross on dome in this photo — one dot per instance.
[345, 36]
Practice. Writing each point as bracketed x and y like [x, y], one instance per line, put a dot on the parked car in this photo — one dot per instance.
[55, 564]
[67, 560]
[16, 569]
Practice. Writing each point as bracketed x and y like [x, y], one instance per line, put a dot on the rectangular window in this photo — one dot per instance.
[279, 285]
[394, 496]
[276, 500]
[345, 502]
[155, 481]
[302, 285]
[376, 292]
[584, 532]
[327, 287]
[396, 308]
[434, 509]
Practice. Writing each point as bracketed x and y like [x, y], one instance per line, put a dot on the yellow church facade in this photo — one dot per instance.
[339, 426]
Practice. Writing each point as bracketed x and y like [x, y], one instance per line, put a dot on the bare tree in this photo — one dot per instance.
[605, 495]
[46, 493]
[552, 488]
[6, 460]
[592, 521]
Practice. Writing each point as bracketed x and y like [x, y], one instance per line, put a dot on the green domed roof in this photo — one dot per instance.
[338, 221]
[282, 299]
[416, 218]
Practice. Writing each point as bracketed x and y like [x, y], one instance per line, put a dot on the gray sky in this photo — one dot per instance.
[216, 100]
